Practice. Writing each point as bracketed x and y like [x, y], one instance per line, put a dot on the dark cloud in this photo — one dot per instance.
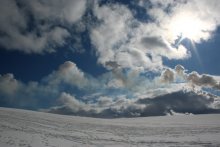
[180, 70]
[112, 64]
[203, 80]
[179, 102]
[152, 42]
[193, 78]
[167, 76]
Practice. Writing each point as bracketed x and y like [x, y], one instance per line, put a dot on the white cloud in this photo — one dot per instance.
[193, 78]
[8, 84]
[179, 101]
[175, 16]
[35, 26]
[151, 39]
[105, 107]
[68, 73]
[59, 10]
[135, 59]
[31, 43]
[104, 101]
[112, 38]
[71, 102]
[119, 93]
[112, 32]
[128, 48]
[122, 39]
[45, 92]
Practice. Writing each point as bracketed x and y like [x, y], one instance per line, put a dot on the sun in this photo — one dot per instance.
[187, 26]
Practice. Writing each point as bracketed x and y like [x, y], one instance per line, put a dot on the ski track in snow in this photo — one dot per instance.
[22, 128]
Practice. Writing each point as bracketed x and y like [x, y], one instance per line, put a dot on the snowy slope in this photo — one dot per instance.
[22, 128]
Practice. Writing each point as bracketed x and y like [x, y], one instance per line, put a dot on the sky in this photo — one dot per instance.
[110, 58]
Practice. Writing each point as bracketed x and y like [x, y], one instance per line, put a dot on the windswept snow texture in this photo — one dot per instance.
[22, 128]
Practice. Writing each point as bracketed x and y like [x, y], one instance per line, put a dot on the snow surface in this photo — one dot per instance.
[22, 128]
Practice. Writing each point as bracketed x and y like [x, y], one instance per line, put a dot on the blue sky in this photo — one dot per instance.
[110, 58]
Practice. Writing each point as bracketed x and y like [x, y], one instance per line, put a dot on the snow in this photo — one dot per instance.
[22, 128]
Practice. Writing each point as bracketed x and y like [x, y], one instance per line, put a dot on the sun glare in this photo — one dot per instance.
[187, 27]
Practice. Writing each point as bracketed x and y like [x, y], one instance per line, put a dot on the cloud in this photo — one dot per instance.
[171, 16]
[112, 65]
[8, 84]
[130, 43]
[203, 80]
[105, 107]
[35, 26]
[34, 94]
[68, 73]
[115, 35]
[193, 78]
[134, 58]
[71, 102]
[69, 11]
[167, 76]
[43, 26]
[159, 46]
[31, 95]
[180, 70]
[136, 83]
[119, 93]
[31, 43]
[180, 102]
[177, 102]
[39, 27]
[114, 45]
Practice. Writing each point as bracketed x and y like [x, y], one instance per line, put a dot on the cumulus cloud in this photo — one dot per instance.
[115, 35]
[136, 83]
[31, 43]
[193, 78]
[196, 79]
[59, 10]
[130, 43]
[159, 46]
[35, 26]
[105, 107]
[179, 102]
[68, 73]
[45, 92]
[112, 65]
[8, 84]
[136, 96]
[15, 93]
[38, 29]
[180, 70]
[167, 76]
[172, 15]
[71, 102]
[203, 80]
